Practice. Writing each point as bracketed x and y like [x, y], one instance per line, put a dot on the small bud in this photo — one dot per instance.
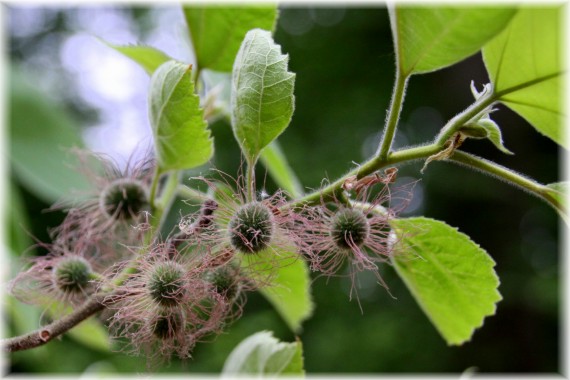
[72, 275]
[124, 199]
[251, 228]
[349, 228]
[166, 284]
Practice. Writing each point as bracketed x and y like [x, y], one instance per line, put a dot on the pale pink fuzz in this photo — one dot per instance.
[377, 246]
[38, 284]
[87, 219]
[284, 245]
[193, 311]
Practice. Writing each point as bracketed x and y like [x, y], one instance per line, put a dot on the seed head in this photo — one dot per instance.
[349, 228]
[166, 284]
[123, 199]
[251, 228]
[72, 274]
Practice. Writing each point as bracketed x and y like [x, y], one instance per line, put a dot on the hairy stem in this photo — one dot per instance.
[53, 330]
[463, 118]
[191, 194]
[422, 152]
[153, 188]
[507, 175]
[393, 114]
[250, 180]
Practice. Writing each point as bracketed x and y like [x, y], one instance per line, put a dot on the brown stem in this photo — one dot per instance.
[45, 334]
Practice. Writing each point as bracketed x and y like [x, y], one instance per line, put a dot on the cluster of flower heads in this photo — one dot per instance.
[163, 297]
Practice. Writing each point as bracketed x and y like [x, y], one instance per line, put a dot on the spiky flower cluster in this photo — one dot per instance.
[165, 296]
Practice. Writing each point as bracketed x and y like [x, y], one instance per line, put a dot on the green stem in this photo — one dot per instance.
[507, 175]
[327, 193]
[421, 152]
[393, 115]
[463, 118]
[250, 180]
[191, 194]
[153, 189]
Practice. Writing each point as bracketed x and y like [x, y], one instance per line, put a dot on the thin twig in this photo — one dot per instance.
[53, 330]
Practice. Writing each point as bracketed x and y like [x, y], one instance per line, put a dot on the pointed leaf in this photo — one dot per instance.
[261, 354]
[450, 276]
[276, 163]
[525, 65]
[290, 289]
[494, 134]
[431, 38]
[262, 100]
[182, 137]
[148, 57]
[217, 31]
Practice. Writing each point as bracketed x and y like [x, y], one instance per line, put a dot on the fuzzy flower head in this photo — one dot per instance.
[107, 214]
[251, 229]
[352, 233]
[167, 305]
[63, 278]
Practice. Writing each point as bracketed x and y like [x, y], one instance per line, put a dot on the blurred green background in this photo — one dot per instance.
[344, 63]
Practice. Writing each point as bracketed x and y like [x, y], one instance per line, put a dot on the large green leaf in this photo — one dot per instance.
[218, 30]
[289, 291]
[148, 57]
[276, 163]
[525, 65]
[429, 38]
[450, 276]
[261, 354]
[182, 137]
[262, 100]
[40, 137]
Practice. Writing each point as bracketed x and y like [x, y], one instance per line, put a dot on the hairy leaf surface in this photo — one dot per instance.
[525, 65]
[182, 138]
[450, 276]
[262, 100]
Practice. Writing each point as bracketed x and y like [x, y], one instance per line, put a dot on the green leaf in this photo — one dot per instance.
[182, 137]
[92, 334]
[431, 38]
[525, 65]
[486, 129]
[559, 191]
[450, 276]
[276, 163]
[146, 56]
[218, 30]
[289, 292]
[262, 100]
[262, 354]
[41, 135]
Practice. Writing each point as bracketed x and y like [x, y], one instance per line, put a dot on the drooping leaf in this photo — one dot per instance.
[525, 65]
[148, 57]
[262, 100]
[40, 137]
[276, 163]
[429, 38]
[218, 30]
[289, 291]
[182, 137]
[261, 354]
[450, 276]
